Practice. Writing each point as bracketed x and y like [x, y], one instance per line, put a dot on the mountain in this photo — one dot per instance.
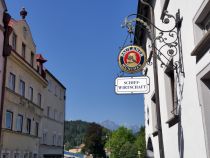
[109, 125]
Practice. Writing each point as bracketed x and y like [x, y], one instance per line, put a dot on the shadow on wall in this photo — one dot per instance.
[150, 153]
[180, 136]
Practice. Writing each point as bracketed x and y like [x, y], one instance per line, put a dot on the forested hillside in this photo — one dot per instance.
[75, 132]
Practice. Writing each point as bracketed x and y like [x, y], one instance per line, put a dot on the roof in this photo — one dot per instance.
[40, 58]
[48, 72]
[140, 33]
[14, 22]
[70, 154]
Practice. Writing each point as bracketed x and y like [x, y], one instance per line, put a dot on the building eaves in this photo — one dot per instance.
[48, 72]
[140, 33]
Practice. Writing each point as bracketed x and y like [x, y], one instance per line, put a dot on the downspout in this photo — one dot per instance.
[155, 70]
[6, 52]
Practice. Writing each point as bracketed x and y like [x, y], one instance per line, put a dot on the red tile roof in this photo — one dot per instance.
[40, 58]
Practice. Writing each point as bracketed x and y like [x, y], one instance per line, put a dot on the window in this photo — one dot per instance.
[22, 88]
[39, 99]
[25, 155]
[35, 155]
[44, 138]
[32, 59]
[16, 155]
[19, 123]
[59, 143]
[31, 93]
[61, 116]
[60, 93]
[54, 139]
[55, 114]
[171, 97]
[50, 85]
[12, 81]
[56, 93]
[24, 32]
[201, 25]
[9, 119]
[5, 155]
[48, 111]
[23, 50]
[28, 126]
[203, 84]
[37, 129]
[14, 41]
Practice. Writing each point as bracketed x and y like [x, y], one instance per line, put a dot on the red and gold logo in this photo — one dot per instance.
[132, 59]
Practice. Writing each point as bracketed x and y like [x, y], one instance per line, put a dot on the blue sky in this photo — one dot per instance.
[81, 40]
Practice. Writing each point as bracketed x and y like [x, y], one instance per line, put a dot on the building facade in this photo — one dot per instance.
[183, 95]
[26, 99]
[53, 118]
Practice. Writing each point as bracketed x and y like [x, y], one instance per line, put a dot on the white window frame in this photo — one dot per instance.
[19, 127]
[22, 88]
[54, 139]
[14, 41]
[39, 99]
[12, 79]
[11, 123]
[31, 93]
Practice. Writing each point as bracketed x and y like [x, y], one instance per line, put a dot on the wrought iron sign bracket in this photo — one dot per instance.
[167, 43]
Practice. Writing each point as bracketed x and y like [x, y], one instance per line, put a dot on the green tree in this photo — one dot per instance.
[141, 143]
[128, 150]
[117, 139]
[94, 141]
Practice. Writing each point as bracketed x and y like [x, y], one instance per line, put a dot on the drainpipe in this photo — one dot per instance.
[155, 70]
[6, 52]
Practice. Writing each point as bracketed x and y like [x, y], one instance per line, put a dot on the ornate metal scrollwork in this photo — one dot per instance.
[166, 42]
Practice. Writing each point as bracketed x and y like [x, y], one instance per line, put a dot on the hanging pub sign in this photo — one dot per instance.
[132, 85]
[132, 59]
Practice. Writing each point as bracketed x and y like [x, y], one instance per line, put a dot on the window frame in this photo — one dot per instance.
[31, 93]
[39, 99]
[11, 123]
[48, 111]
[36, 129]
[23, 50]
[22, 88]
[21, 123]
[171, 98]
[14, 41]
[12, 80]
[28, 126]
[201, 34]
[54, 139]
[32, 59]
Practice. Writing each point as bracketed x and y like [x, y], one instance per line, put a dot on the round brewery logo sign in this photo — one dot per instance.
[132, 59]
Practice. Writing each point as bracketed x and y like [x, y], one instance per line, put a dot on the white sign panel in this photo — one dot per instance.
[130, 85]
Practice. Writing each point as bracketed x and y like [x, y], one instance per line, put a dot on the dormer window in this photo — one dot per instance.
[23, 50]
[14, 41]
[32, 59]
[24, 32]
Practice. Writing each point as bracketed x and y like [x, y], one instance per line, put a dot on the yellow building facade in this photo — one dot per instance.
[26, 100]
